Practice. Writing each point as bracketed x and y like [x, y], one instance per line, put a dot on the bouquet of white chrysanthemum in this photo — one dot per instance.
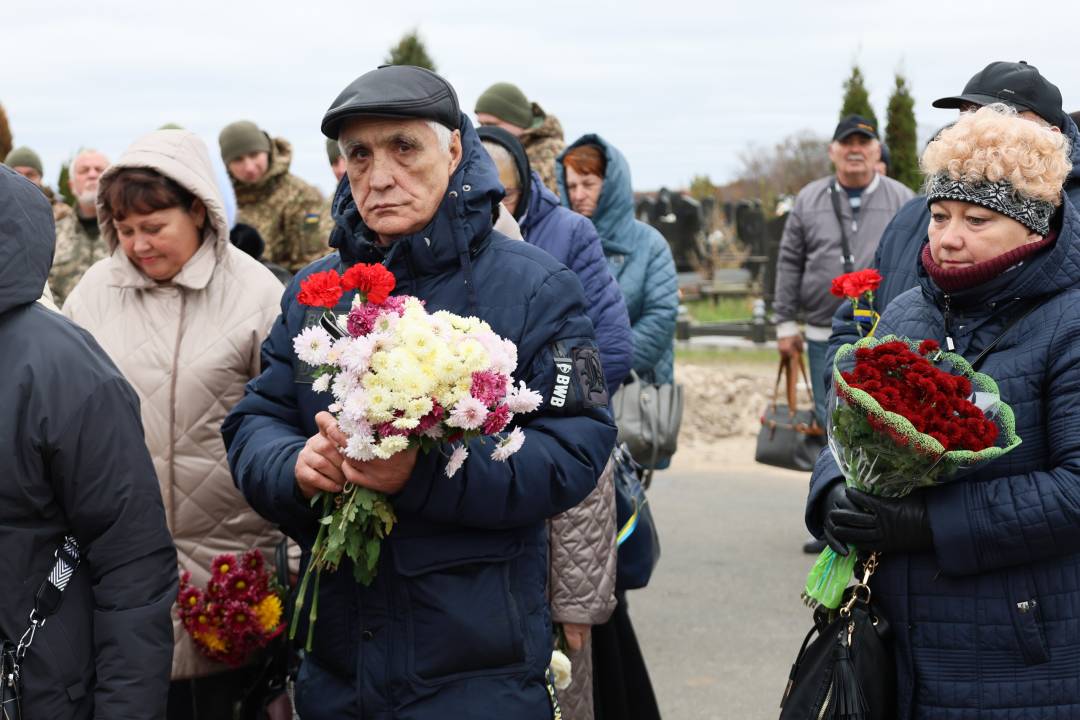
[400, 377]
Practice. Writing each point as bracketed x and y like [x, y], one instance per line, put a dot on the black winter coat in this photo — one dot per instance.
[73, 461]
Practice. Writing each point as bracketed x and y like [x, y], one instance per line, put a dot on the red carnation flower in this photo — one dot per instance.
[321, 289]
[373, 280]
[855, 284]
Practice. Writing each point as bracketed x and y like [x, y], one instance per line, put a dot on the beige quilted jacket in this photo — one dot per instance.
[187, 346]
[582, 580]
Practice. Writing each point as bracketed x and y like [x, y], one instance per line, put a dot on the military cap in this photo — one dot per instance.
[396, 91]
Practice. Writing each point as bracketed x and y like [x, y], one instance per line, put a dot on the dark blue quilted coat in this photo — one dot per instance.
[572, 240]
[456, 624]
[988, 625]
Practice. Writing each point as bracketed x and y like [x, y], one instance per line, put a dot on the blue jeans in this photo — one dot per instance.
[816, 351]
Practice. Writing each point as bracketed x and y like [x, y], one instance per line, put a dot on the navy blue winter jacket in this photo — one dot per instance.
[988, 624]
[641, 262]
[456, 623]
[572, 240]
[897, 256]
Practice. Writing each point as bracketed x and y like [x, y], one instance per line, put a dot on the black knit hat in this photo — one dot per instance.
[396, 91]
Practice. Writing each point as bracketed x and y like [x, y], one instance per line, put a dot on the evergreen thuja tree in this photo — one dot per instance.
[857, 97]
[410, 50]
[900, 136]
[63, 187]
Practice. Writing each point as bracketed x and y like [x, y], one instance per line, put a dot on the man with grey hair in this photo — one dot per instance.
[833, 229]
[455, 623]
[78, 238]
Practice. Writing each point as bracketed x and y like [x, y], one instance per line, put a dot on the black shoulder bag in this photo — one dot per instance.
[46, 603]
[848, 671]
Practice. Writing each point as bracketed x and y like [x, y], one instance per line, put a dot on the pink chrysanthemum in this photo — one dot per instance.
[468, 414]
[488, 387]
[497, 420]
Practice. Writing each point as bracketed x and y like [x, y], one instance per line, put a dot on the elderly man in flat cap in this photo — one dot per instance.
[455, 624]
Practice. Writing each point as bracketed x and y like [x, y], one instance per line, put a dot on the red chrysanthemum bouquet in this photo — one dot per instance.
[905, 415]
[855, 286]
[238, 613]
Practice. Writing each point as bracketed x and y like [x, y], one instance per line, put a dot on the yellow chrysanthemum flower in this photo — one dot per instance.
[268, 613]
[211, 640]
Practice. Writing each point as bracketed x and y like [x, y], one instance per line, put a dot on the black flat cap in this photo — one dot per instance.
[396, 91]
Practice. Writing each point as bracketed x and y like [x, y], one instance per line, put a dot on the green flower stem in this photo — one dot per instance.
[314, 613]
[302, 592]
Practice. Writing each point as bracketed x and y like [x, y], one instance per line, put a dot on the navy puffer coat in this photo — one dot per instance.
[641, 262]
[456, 624]
[572, 240]
[988, 624]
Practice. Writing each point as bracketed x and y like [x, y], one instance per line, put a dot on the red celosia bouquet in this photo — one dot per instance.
[238, 613]
[854, 286]
[906, 415]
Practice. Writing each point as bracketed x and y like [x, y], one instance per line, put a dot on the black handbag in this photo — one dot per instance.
[46, 603]
[848, 671]
[270, 695]
[790, 438]
[638, 542]
[10, 682]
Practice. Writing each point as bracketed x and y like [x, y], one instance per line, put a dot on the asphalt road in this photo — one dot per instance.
[721, 620]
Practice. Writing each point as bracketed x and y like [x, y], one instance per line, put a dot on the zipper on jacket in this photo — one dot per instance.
[171, 509]
[950, 345]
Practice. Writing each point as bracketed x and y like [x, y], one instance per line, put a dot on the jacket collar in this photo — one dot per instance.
[541, 203]
[195, 275]
[866, 190]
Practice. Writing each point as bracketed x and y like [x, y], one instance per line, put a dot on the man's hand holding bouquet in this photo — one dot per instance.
[402, 381]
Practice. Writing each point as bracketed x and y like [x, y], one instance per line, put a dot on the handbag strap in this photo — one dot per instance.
[50, 592]
[1030, 306]
[845, 246]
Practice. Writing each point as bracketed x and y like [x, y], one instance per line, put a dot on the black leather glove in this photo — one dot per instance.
[835, 499]
[879, 524]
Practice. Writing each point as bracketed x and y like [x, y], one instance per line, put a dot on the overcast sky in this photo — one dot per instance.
[680, 87]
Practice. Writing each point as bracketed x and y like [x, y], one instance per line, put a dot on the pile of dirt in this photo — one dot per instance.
[722, 402]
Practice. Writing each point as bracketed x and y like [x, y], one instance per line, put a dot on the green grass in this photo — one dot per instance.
[706, 356]
[726, 309]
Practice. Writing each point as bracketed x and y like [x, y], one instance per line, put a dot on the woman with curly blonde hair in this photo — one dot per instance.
[980, 578]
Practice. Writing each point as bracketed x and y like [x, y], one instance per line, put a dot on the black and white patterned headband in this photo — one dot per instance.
[1000, 196]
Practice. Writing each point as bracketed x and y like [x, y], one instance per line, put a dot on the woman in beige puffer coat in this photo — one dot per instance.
[183, 314]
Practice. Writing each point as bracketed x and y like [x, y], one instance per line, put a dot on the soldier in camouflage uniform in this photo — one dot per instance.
[78, 238]
[289, 213]
[27, 163]
[504, 105]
